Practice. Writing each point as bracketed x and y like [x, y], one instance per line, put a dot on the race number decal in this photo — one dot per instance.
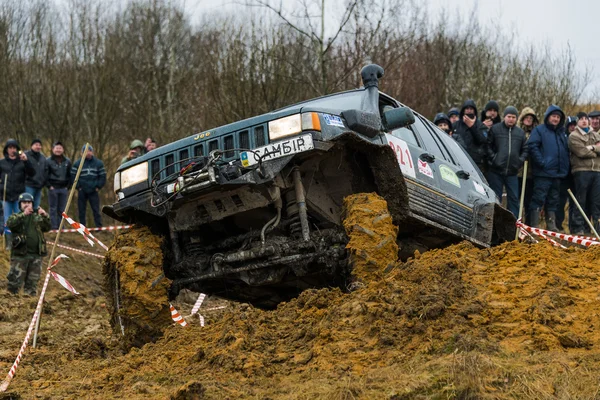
[402, 155]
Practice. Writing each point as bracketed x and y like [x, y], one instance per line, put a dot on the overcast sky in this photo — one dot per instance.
[574, 23]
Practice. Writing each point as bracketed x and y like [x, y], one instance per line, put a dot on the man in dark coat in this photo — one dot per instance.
[508, 152]
[549, 152]
[471, 134]
[491, 114]
[91, 180]
[34, 184]
[14, 169]
[58, 180]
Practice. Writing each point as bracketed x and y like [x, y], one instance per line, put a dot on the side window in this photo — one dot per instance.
[442, 139]
[407, 135]
[430, 142]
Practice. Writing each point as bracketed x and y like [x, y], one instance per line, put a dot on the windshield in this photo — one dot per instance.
[341, 101]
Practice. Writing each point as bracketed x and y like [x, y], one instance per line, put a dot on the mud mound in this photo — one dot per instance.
[138, 301]
[372, 234]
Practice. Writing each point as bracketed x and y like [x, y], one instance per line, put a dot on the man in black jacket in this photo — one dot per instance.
[490, 115]
[14, 169]
[58, 178]
[471, 134]
[508, 152]
[34, 184]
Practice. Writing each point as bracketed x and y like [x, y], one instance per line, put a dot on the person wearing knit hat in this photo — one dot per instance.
[570, 124]
[453, 115]
[92, 179]
[35, 184]
[507, 153]
[584, 144]
[443, 122]
[491, 114]
[58, 179]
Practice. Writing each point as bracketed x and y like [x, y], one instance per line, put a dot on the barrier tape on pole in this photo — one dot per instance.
[102, 229]
[176, 316]
[65, 283]
[38, 309]
[84, 231]
[198, 303]
[79, 251]
[584, 241]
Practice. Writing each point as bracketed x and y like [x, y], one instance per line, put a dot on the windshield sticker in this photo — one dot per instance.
[449, 176]
[333, 120]
[402, 155]
[425, 169]
[479, 188]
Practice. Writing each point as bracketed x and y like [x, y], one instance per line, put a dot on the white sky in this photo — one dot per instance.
[574, 23]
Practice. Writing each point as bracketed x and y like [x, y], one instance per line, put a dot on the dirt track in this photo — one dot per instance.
[514, 321]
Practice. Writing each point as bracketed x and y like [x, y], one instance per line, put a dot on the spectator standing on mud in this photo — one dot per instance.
[29, 246]
[91, 180]
[14, 168]
[442, 122]
[594, 117]
[58, 179]
[549, 153]
[584, 144]
[490, 115]
[34, 184]
[453, 115]
[567, 183]
[470, 133]
[527, 121]
[136, 149]
[508, 152]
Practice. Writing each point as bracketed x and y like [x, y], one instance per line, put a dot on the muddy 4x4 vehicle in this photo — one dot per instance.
[252, 211]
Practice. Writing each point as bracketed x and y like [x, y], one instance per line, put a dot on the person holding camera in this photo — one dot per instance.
[15, 167]
[28, 247]
[471, 134]
[491, 114]
[136, 149]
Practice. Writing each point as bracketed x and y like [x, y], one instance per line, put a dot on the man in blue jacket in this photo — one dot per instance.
[549, 152]
[91, 180]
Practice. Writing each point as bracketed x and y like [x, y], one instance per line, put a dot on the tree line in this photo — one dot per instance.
[85, 70]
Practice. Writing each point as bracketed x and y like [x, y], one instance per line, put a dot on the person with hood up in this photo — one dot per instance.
[549, 153]
[453, 115]
[491, 114]
[136, 149]
[508, 152]
[470, 133]
[443, 122]
[58, 179]
[91, 180]
[35, 184]
[14, 169]
[584, 144]
[527, 121]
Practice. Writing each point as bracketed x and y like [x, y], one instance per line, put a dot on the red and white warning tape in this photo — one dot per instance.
[84, 232]
[584, 241]
[38, 309]
[104, 228]
[198, 303]
[79, 251]
[65, 283]
[176, 316]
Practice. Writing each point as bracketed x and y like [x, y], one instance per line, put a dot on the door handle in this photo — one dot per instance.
[427, 157]
[463, 174]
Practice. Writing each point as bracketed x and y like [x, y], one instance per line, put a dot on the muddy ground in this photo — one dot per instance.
[515, 321]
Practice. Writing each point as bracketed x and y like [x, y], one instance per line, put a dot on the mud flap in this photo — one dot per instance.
[505, 227]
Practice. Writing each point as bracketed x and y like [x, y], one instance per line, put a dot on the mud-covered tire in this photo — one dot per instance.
[135, 287]
[372, 236]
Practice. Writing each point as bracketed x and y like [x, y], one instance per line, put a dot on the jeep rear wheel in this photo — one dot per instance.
[135, 287]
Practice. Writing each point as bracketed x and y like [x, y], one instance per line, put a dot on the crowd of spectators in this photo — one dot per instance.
[561, 153]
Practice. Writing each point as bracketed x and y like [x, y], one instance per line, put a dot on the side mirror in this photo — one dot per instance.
[397, 118]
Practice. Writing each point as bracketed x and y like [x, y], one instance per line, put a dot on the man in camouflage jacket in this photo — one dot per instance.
[29, 246]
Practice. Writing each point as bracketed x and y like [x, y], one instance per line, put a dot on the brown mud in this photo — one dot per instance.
[514, 321]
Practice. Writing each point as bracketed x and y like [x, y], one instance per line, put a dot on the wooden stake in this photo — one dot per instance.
[583, 213]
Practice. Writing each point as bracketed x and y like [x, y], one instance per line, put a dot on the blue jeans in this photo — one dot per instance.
[545, 191]
[36, 193]
[57, 201]
[94, 199]
[10, 208]
[498, 182]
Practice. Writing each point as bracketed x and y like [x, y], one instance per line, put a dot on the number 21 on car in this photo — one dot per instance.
[402, 155]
